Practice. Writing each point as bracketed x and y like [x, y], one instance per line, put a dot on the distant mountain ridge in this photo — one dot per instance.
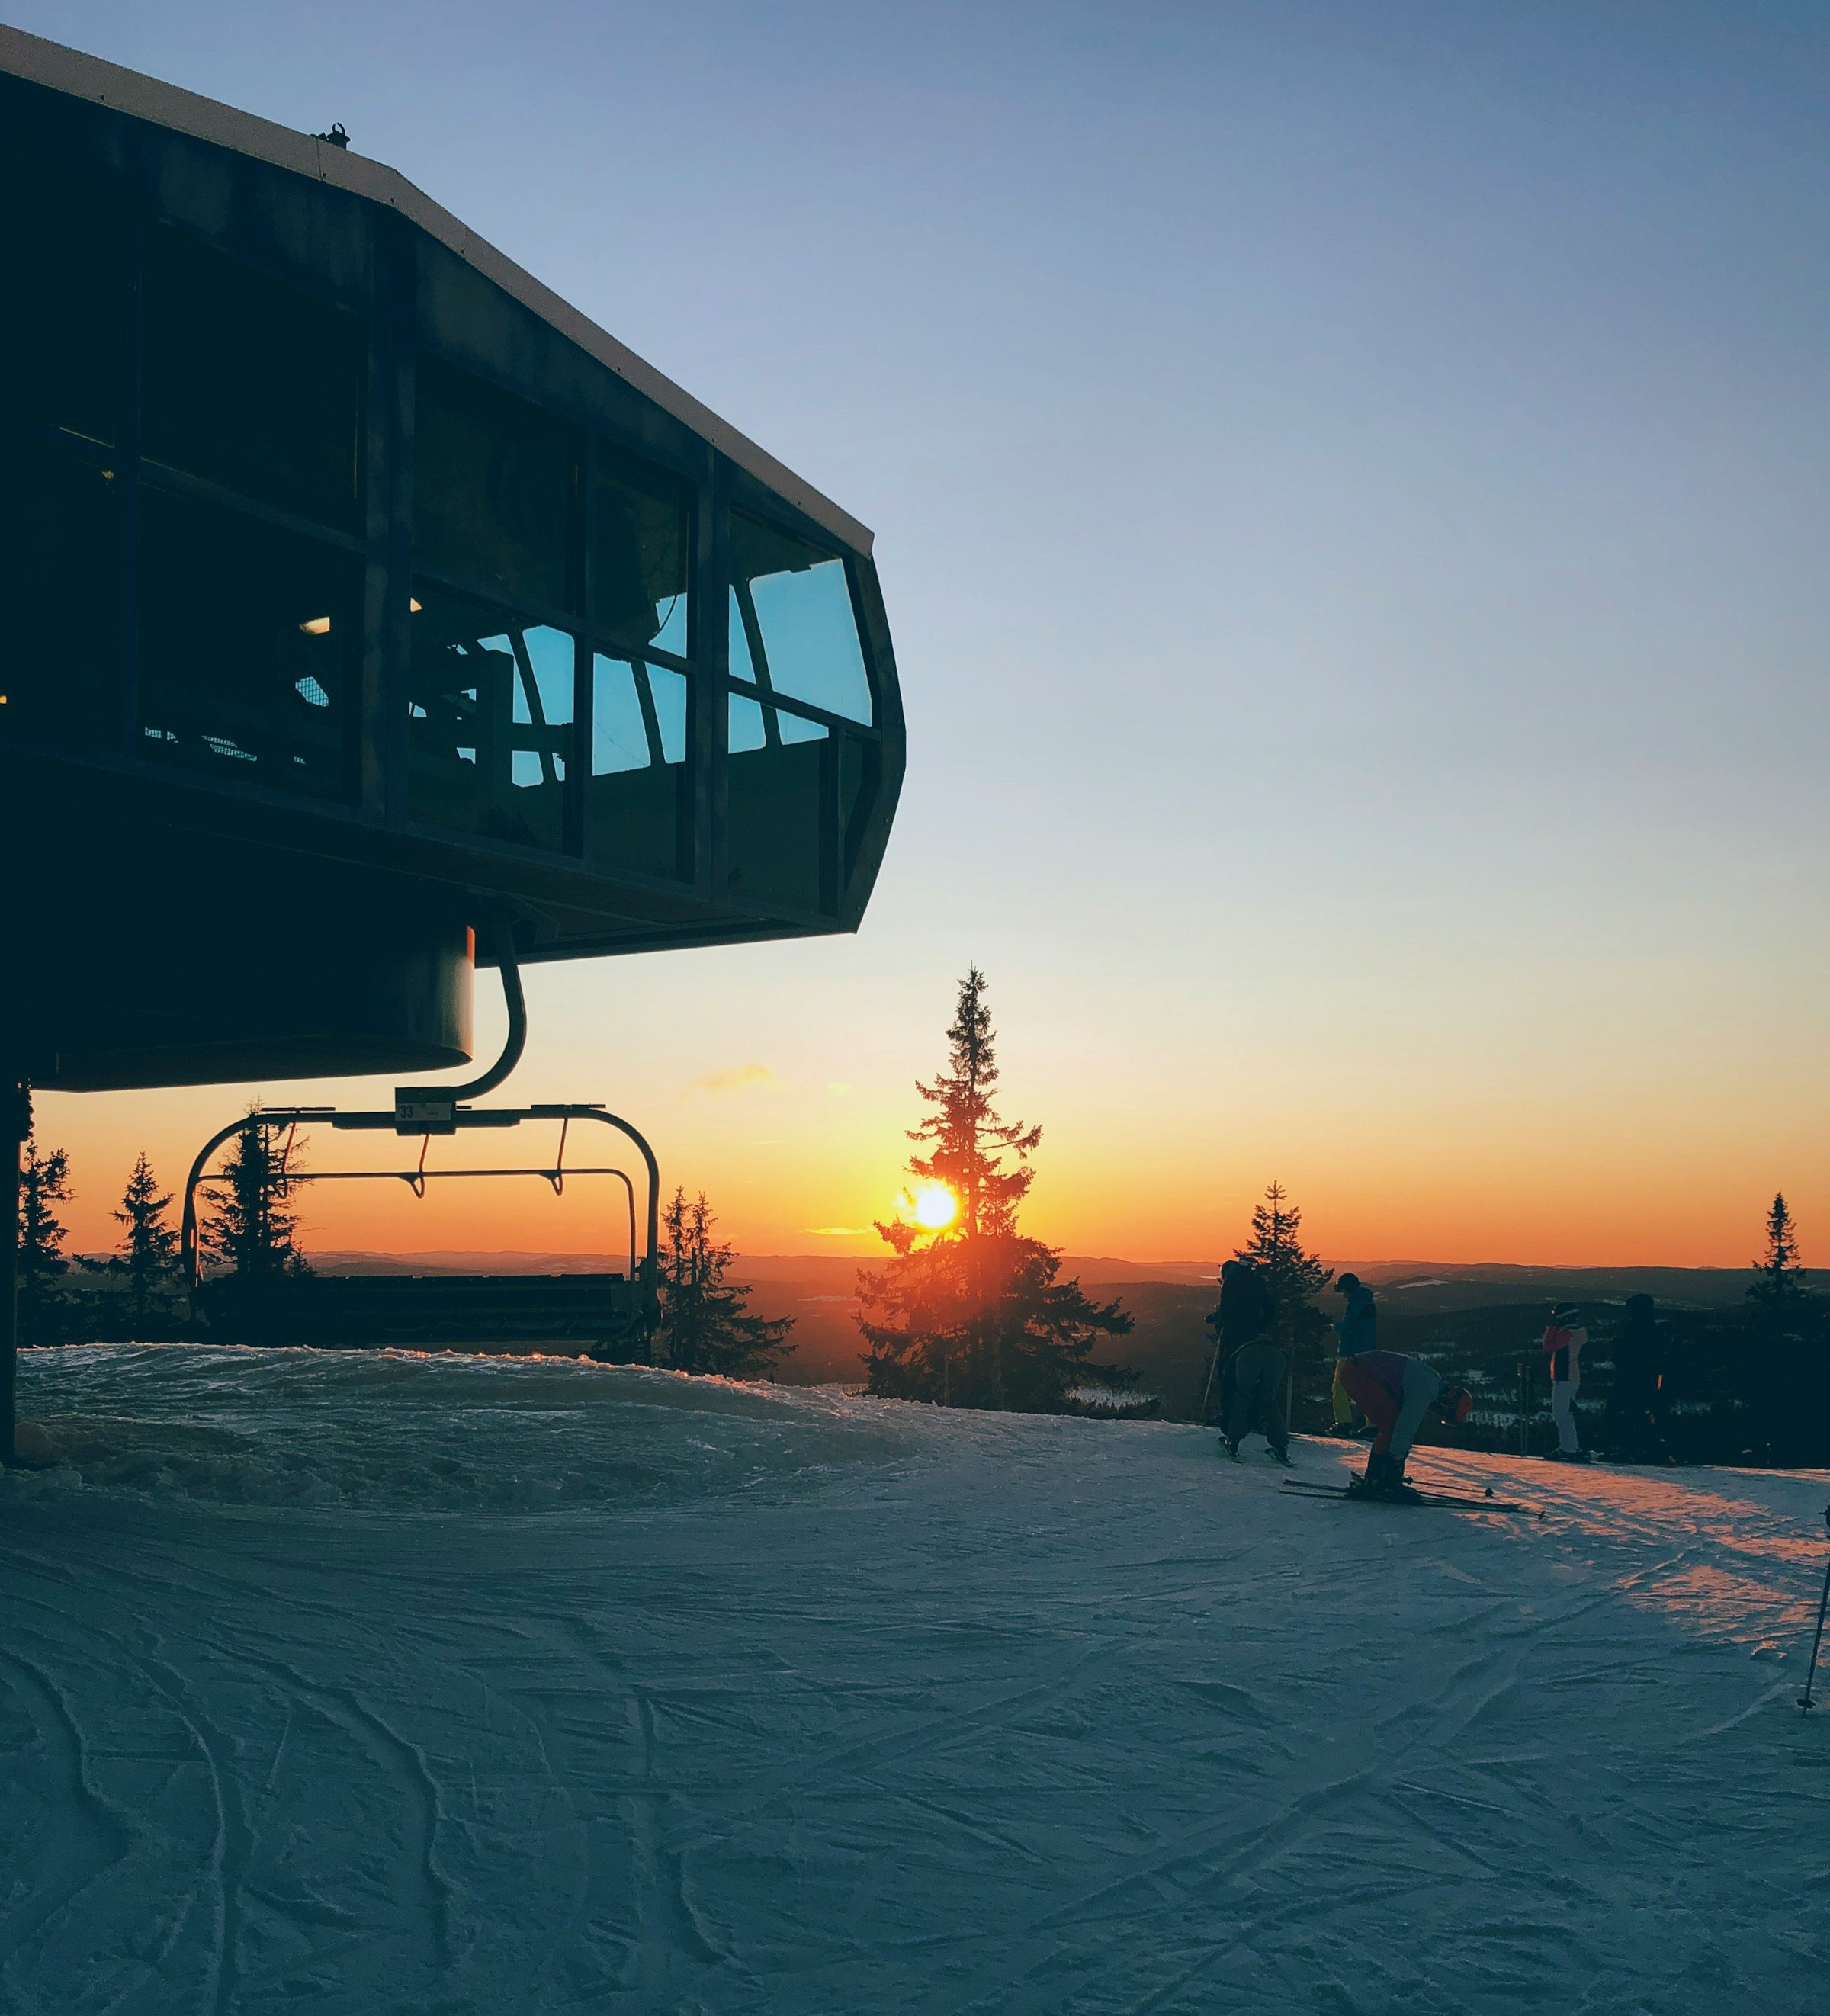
[1418, 1283]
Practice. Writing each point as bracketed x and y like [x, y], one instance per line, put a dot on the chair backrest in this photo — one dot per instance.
[600, 1313]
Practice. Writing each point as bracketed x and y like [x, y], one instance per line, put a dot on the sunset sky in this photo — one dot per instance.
[1350, 490]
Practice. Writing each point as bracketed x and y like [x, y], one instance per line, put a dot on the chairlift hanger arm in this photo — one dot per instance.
[424, 1108]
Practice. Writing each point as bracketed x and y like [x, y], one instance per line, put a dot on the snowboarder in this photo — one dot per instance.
[1357, 1330]
[1633, 1430]
[1256, 1363]
[1395, 1394]
[1565, 1335]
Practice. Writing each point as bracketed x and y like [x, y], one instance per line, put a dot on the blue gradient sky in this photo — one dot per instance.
[1349, 484]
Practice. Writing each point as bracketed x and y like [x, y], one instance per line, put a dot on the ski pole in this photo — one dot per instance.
[1207, 1391]
[1804, 1699]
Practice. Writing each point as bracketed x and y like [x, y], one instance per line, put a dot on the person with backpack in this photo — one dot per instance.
[1565, 1335]
[1256, 1364]
[1397, 1395]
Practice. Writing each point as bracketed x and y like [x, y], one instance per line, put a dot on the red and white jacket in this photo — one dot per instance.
[1565, 1346]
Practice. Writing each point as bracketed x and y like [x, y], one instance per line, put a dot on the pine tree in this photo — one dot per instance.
[974, 1314]
[253, 1227]
[44, 1184]
[1786, 1374]
[1777, 1288]
[705, 1322]
[1293, 1277]
[149, 1250]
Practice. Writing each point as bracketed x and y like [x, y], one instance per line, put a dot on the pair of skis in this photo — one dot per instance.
[1453, 1501]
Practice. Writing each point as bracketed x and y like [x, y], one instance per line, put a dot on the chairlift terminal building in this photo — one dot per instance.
[362, 596]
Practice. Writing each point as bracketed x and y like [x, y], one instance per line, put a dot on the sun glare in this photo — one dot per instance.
[935, 1207]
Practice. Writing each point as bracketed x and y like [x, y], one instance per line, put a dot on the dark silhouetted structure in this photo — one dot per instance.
[363, 597]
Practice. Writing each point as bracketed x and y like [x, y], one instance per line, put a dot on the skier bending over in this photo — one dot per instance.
[1396, 1393]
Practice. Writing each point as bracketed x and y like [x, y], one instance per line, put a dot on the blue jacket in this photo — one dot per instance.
[1358, 1328]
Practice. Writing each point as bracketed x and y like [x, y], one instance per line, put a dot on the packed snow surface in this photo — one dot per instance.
[378, 1683]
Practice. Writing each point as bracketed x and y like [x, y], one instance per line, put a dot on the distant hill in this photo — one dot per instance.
[1169, 1299]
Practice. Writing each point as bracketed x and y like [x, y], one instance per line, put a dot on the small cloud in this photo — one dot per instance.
[737, 1078]
[840, 1231]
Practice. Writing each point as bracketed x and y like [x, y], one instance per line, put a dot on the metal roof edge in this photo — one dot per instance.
[76, 75]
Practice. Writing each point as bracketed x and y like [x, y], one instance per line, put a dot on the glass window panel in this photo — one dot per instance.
[61, 558]
[642, 538]
[493, 483]
[776, 824]
[746, 726]
[671, 636]
[669, 690]
[251, 383]
[636, 801]
[63, 333]
[796, 727]
[803, 607]
[490, 720]
[250, 649]
[743, 665]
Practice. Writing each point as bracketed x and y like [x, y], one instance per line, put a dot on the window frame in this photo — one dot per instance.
[838, 840]
[590, 641]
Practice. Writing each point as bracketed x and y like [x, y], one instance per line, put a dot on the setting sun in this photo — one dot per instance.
[935, 1207]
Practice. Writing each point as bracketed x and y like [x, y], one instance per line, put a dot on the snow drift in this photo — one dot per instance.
[403, 1431]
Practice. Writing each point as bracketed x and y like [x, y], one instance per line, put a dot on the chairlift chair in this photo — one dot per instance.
[610, 1315]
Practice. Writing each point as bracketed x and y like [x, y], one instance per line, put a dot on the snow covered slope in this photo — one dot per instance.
[377, 1683]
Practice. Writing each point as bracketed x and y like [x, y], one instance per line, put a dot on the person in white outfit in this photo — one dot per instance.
[1565, 1335]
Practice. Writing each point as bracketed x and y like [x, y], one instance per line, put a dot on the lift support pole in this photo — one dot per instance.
[16, 1126]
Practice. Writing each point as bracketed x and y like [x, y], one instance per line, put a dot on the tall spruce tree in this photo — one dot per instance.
[1294, 1277]
[149, 1246]
[705, 1322]
[974, 1314]
[252, 1226]
[1777, 1288]
[44, 1184]
[1786, 1375]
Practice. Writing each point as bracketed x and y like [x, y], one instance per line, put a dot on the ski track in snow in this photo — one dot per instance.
[356, 1682]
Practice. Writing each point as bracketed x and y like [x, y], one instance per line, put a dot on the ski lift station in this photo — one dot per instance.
[374, 615]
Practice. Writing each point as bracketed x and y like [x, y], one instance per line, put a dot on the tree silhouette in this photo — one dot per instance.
[1777, 1286]
[44, 1184]
[149, 1248]
[1293, 1277]
[974, 1314]
[1787, 1376]
[252, 1226]
[705, 1323]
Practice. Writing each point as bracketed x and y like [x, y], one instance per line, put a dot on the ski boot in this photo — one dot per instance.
[1383, 1480]
[1281, 1456]
[1231, 1446]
